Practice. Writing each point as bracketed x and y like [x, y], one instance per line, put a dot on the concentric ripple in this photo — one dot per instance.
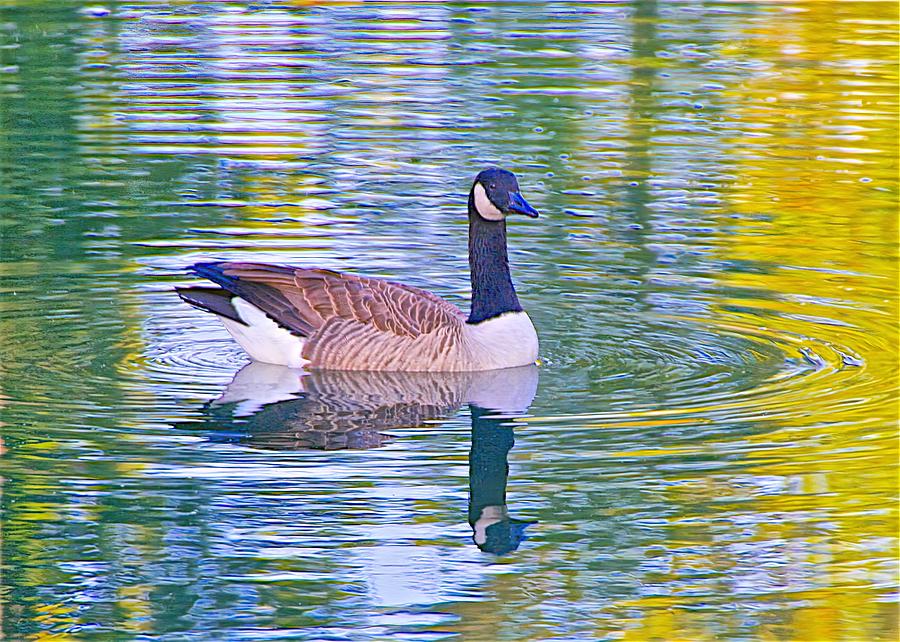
[179, 343]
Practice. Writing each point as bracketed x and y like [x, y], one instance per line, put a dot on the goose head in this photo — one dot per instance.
[495, 195]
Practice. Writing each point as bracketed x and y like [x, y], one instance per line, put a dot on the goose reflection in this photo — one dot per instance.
[273, 407]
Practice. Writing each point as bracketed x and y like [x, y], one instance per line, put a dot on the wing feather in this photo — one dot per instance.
[304, 300]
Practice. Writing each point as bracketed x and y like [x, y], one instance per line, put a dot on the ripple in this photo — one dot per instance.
[180, 342]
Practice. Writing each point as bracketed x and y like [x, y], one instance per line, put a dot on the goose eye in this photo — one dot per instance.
[493, 185]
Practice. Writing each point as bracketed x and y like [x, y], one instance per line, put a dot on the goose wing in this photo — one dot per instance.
[307, 300]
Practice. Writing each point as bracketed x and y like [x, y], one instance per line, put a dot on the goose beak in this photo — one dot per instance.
[521, 206]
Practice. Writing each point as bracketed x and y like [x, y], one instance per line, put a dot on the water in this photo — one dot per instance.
[708, 448]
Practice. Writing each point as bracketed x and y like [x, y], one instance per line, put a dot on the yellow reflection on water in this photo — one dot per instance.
[816, 187]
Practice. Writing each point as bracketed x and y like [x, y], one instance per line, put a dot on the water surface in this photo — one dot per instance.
[708, 448]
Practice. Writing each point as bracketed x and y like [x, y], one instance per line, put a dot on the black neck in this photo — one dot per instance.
[492, 288]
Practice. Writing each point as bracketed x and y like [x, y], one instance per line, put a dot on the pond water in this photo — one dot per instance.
[707, 449]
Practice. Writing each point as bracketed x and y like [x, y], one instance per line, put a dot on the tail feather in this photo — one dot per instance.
[273, 302]
[215, 300]
[250, 312]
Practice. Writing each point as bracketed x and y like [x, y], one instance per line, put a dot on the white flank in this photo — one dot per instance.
[263, 339]
[506, 341]
[484, 206]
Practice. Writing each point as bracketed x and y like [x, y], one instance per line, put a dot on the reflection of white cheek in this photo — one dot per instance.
[490, 515]
[484, 206]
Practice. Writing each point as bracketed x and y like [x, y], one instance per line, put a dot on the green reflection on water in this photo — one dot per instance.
[712, 449]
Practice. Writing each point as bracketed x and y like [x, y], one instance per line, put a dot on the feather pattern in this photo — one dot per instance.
[352, 322]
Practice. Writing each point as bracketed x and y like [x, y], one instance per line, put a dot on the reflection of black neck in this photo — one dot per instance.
[492, 288]
[488, 469]
[492, 439]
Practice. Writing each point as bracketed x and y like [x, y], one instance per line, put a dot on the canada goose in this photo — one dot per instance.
[310, 317]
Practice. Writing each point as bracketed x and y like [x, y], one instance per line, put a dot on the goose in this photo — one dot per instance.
[316, 318]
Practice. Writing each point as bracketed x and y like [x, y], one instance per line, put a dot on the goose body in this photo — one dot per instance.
[316, 318]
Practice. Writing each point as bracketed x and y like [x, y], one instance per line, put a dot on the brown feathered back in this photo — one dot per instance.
[350, 322]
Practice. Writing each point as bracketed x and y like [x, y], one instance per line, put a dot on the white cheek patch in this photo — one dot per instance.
[484, 206]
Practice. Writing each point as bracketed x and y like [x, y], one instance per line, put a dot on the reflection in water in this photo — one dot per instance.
[493, 529]
[272, 407]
